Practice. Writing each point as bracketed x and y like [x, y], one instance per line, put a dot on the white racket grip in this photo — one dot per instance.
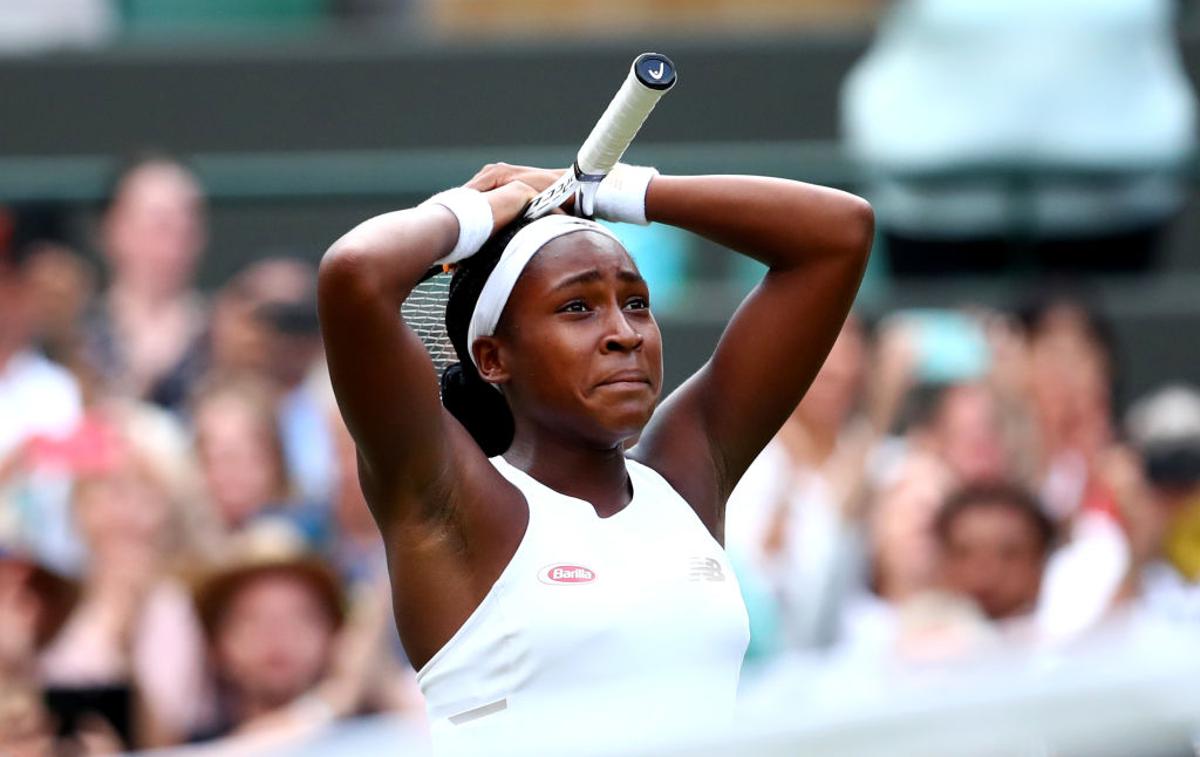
[650, 77]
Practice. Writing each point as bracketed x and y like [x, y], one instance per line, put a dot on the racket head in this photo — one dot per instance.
[424, 311]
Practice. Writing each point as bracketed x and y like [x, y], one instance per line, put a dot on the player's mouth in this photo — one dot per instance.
[627, 379]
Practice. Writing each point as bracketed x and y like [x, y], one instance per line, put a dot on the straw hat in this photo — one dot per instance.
[269, 546]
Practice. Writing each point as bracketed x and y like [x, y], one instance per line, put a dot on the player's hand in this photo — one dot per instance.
[498, 174]
[508, 201]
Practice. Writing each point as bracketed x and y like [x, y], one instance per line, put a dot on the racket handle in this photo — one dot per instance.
[650, 77]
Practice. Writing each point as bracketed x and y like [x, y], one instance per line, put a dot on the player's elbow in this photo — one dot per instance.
[345, 270]
[858, 227]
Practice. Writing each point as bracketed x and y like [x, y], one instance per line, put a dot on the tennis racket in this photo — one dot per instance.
[650, 77]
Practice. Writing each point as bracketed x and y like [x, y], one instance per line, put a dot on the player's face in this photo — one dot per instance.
[581, 350]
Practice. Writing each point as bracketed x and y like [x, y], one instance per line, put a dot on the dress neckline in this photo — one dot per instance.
[633, 496]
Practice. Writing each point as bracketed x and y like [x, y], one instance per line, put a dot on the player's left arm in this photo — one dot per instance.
[814, 242]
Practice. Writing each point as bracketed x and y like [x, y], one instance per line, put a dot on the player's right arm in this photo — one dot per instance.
[425, 479]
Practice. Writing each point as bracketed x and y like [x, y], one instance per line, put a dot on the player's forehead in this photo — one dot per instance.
[578, 253]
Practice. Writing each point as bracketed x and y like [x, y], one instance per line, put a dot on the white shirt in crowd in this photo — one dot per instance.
[819, 559]
[38, 398]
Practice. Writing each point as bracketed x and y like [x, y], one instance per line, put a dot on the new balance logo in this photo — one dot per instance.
[705, 569]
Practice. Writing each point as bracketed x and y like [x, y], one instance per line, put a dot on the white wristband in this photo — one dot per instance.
[474, 216]
[621, 197]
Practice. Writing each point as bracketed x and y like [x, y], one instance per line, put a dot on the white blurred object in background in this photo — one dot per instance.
[34, 25]
[1086, 84]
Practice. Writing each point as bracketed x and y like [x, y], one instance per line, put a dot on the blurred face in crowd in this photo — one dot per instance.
[1070, 382]
[284, 291]
[16, 311]
[993, 553]
[154, 230]
[968, 435]
[240, 455]
[835, 391]
[61, 286]
[123, 513]
[239, 341]
[902, 537]
[264, 322]
[274, 639]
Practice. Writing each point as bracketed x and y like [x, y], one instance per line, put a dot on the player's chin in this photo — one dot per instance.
[626, 412]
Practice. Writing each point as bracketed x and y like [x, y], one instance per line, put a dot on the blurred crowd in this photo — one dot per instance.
[186, 557]
[185, 554]
[956, 482]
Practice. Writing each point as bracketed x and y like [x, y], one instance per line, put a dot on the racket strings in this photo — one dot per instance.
[425, 313]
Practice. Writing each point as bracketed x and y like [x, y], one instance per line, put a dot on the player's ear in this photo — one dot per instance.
[489, 359]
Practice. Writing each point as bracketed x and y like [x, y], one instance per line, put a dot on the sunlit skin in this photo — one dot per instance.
[578, 357]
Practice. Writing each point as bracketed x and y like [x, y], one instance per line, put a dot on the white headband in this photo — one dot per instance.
[520, 250]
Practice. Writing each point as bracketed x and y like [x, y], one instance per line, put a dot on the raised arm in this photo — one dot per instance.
[384, 381]
[815, 242]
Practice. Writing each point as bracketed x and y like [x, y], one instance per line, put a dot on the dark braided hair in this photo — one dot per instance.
[474, 402]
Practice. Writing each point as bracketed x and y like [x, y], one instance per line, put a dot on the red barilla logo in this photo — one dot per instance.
[566, 574]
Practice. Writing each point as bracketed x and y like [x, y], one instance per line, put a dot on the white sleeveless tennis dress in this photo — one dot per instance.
[626, 625]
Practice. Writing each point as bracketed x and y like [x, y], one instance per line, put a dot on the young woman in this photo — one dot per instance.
[568, 559]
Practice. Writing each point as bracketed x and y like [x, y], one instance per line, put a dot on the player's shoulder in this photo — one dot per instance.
[691, 474]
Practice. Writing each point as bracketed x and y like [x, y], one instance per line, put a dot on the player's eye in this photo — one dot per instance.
[574, 306]
[637, 303]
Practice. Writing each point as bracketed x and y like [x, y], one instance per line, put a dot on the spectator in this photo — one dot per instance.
[270, 617]
[903, 616]
[934, 376]
[1165, 426]
[994, 541]
[131, 508]
[285, 664]
[272, 305]
[146, 332]
[1083, 473]
[62, 287]
[241, 456]
[793, 516]
[34, 603]
[901, 528]
[355, 546]
[38, 401]
[967, 434]
[36, 397]
[1072, 370]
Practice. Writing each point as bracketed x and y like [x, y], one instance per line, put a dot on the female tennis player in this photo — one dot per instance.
[535, 555]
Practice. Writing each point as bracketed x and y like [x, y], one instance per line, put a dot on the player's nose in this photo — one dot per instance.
[622, 336]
